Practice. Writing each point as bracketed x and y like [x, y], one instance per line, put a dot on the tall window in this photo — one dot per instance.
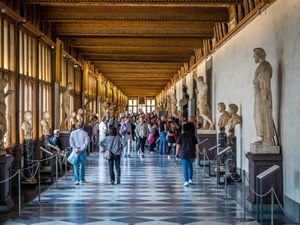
[133, 105]
[150, 105]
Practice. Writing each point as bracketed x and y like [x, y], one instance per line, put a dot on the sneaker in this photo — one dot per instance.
[142, 155]
[186, 184]
[76, 183]
[112, 182]
[190, 181]
[83, 181]
[118, 181]
[129, 156]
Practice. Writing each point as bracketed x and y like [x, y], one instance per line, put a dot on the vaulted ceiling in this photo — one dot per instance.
[137, 44]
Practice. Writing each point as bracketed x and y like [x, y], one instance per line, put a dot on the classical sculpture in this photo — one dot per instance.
[234, 118]
[263, 98]
[65, 106]
[174, 109]
[204, 111]
[168, 105]
[3, 124]
[224, 118]
[79, 115]
[184, 102]
[26, 125]
[45, 124]
[106, 108]
[73, 120]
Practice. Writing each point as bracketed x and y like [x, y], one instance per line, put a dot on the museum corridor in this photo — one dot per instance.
[151, 192]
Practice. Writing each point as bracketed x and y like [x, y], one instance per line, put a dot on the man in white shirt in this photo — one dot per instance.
[102, 131]
[79, 141]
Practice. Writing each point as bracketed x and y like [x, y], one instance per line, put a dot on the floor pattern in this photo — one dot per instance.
[151, 193]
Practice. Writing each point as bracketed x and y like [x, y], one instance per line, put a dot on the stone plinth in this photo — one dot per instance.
[258, 163]
[6, 202]
[65, 139]
[264, 149]
[211, 142]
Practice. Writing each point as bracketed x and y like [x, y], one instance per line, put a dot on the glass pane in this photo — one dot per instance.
[134, 102]
[130, 102]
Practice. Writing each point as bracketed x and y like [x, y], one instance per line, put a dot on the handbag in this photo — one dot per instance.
[107, 154]
[73, 158]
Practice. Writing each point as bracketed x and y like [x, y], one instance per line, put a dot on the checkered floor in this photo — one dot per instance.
[151, 192]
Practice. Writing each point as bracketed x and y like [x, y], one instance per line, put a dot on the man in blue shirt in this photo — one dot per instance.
[79, 141]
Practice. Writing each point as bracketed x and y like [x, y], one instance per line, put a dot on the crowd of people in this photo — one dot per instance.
[126, 135]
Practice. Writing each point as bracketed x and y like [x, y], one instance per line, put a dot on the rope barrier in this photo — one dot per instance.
[3, 181]
[33, 174]
[253, 191]
[29, 167]
[284, 212]
[41, 160]
[234, 180]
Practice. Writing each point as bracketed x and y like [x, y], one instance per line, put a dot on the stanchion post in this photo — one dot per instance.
[39, 182]
[261, 204]
[272, 205]
[19, 192]
[226, 179]
[244, 193]
[56, 169]
[257, 200]
[204, 162]
[66, 165]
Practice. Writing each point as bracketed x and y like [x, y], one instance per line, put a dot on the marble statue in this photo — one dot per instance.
[106, 108]
[224, 117]
[184, 102]
[112, 107]
[65, 106]
[168, 105]
[174, 109]
[3, 124]
[26, 125]
[234, 118]
[79, 115]
[263, 98]
[73, 120]
[204, 110]
[45, 124]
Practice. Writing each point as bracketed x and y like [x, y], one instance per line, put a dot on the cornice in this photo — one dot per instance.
[63, 18]
[133, 1]
[67, 31]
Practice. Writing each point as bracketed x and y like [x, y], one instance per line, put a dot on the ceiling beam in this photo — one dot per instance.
[136, 3]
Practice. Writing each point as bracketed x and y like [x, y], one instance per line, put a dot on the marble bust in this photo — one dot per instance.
[263, 98]
[224, 118]
[26, 125]
[234, 118]
[45, 124]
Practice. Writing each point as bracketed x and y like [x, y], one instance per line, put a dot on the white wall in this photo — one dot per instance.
[277, 30]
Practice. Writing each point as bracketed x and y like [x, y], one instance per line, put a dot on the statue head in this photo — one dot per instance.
[184, 88]
[27, 115]
[233, 108]
[259, 53]
[69, 86]
[221, 107]
[46, 115]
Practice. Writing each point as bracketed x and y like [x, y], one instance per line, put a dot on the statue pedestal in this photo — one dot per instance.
[6, 202]
[29, 169]
[65, 139]
[212, 141]
[259, 163]
[264, 149]
[231, 141]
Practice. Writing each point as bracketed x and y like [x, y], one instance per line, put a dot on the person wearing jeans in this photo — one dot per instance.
[162, 135]
[79, 141]
[115, 143]
[187, 149]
